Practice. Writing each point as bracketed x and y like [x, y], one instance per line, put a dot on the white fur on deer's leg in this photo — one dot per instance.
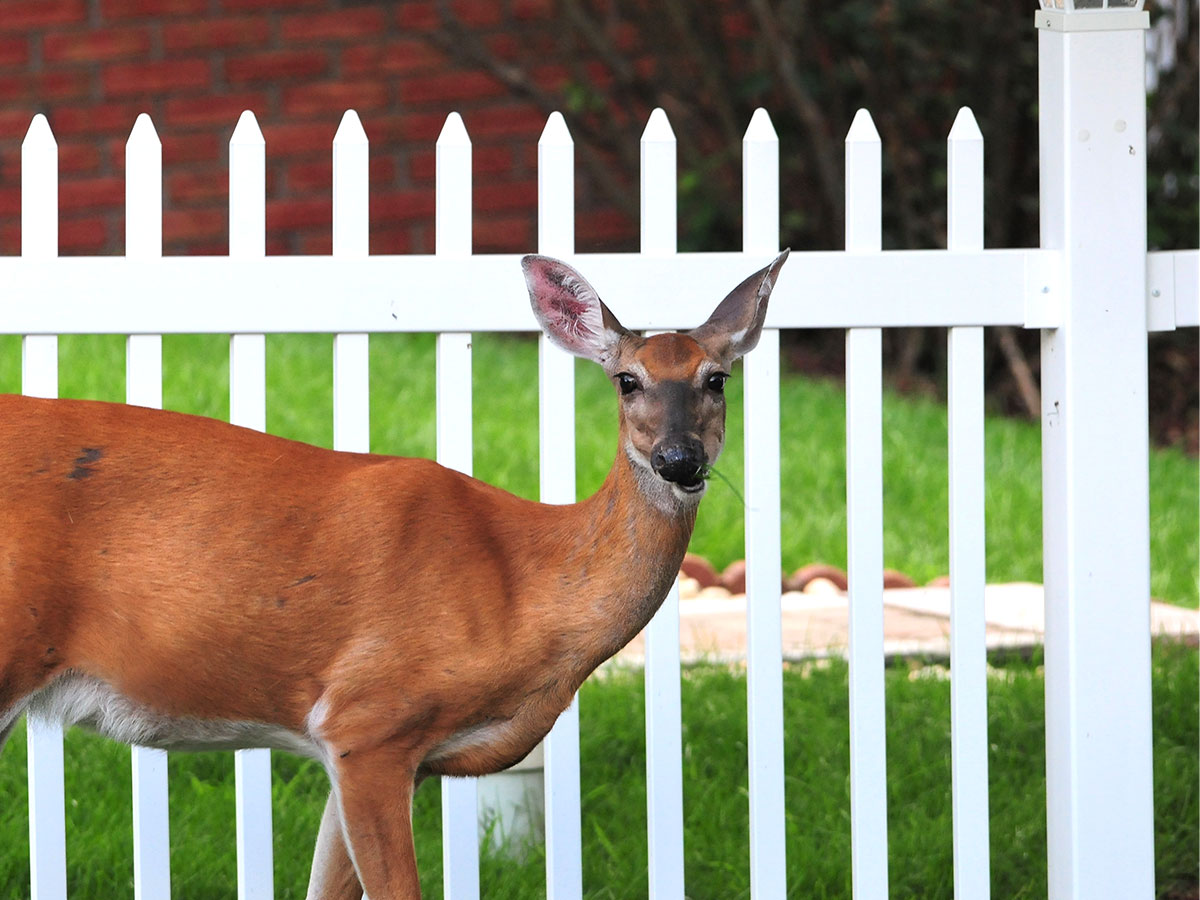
[333, 876]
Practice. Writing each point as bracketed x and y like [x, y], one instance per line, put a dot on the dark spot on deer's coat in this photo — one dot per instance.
[88, 455]
[299, 581]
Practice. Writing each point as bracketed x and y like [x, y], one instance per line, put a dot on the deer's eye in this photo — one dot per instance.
[716, 382]
[627, 383]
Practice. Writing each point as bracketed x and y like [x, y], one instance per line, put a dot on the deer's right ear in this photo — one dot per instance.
[569, 309]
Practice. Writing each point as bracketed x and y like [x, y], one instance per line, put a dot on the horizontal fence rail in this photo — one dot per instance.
[351, 294]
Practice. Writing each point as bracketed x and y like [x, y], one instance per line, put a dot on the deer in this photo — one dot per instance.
[178, 582]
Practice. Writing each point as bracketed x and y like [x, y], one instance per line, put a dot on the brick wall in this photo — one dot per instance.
[93, 65]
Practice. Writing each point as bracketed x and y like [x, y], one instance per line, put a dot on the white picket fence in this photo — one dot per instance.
[1092, 289]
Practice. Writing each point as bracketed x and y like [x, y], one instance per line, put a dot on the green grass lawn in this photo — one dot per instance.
[714, 740]
[716, 840]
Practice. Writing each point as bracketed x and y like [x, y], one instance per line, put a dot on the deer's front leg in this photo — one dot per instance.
[333, 876]
[374, 791]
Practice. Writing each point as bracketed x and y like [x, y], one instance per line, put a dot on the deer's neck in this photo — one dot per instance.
[631, 538]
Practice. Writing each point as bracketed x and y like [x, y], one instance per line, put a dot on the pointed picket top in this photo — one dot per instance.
[556, 132]
[862, 129]
[658, 128]
[143, 133]
[965, 128]
[454, 132]
[350, 131]
[760, 129]
[247, 131]
[39, 133]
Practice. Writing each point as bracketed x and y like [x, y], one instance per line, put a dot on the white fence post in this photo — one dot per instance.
[664, 754]
[968, 627]
[143, 387]
[351, 369]
[460, 796]
[764, 626]
[39, 378]
[864, 514]
[556, 420]
[248, 408]
[1100, 815]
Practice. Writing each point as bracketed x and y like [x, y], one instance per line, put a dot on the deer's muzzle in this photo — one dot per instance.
[681, 461]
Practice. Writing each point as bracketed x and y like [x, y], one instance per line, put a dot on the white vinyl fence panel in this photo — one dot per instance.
[1098, 728]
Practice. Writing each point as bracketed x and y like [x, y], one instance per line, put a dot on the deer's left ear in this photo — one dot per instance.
[735, 325]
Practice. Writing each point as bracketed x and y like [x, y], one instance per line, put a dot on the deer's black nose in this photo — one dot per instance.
[681, 461]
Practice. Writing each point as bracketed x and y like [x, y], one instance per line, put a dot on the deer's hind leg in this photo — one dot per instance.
[333, 876]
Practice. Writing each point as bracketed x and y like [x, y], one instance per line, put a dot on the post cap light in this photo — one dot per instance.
[1092, 15]
[1090, 5]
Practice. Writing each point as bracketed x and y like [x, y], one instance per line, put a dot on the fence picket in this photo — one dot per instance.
[351, 240]
[248, 408]
[764, 640]
[664, 748]
[143, 387]
[864, 514]
[460, 796]
[556, 445]
[39, 378]
[968, 627]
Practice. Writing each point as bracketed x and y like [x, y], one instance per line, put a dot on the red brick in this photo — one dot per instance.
[145, 9]
[41, 87]
[305, 139]
[83, 236]
[506, 45]
[78, 158]
[190, 148]
[410, 128]
[395, 239]
[605, 229]
[215, 109]
[315, 244]
[10, 201]
[23, 15]
[242, 5]
[217, 34]
[195, 188]
[477, 13]
[450, 86]
[417, 16]
[96, 45]
[307, 177]
[14, 51]
[522, 119]
[15, 122]
[181, 225]
[339, 25]
[91, 193]
[275, 65]
[506, 195]
[507, 234]
[335, 98]
[397, 57]
[533, 9]
[128, 79]
[401, 206]
[289, 214]
[10, 239]
[101, 118]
